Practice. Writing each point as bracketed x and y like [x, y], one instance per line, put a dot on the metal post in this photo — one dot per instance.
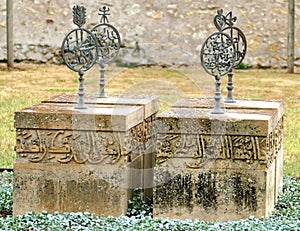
[229, 87]
[9, 33]
[102, 83]
[79, 50]
[80, 103]
[108, 46]
[291, 35]
[217, 109]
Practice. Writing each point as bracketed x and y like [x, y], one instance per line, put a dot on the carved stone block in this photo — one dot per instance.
[211, 194]
[100, 189]
[277, 121]
[83, 160]
[204, 152]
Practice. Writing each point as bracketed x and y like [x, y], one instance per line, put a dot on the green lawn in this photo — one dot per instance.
[29, 84]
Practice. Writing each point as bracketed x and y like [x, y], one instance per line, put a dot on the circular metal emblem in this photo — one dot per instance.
[218, 54]
[239, 42]
[79, 50]
[108, 41]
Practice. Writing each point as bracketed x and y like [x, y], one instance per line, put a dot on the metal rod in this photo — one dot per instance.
[102, 83]
[217, 109]
[80, 104]
[230, 87]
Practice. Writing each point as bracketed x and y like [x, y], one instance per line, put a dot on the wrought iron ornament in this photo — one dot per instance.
[79, 15]
[109, 43]
[221, 52]
[225, 24]
[217, 54]
[240, 44]
[79, 50]
[217, 58]
[82, 48]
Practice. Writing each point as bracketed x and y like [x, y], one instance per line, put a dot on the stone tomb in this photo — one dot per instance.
[83, 160]
[274, 105]
[218, 167]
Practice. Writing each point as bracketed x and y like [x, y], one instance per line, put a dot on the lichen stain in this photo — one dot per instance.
[244, 193]
[175, 191]
[206, 190]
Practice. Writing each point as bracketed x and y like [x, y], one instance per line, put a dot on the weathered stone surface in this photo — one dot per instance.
[150, 104]
[70, 188]
[212, 194]
[209, 167]
[196, 148]
[63, 116]
[233, 122]
[239, 104]
[279, 172]
[168, 32]
[276, 106]
[105, 147]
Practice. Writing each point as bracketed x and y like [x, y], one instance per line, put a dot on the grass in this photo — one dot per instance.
[28, 84]
[278, 85]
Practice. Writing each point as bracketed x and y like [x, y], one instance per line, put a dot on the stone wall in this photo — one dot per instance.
[168, 32]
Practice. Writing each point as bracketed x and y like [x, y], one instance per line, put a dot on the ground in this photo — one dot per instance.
[26, 84]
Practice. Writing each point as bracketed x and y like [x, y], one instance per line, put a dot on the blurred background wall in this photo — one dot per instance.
[168, 32]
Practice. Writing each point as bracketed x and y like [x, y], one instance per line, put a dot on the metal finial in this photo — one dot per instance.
[103, 12]
[109, 43]
[82, 48]
[225, 24]
[220, 20]
[79, 50]
[229, 19]
[217, 56]
[79, 15]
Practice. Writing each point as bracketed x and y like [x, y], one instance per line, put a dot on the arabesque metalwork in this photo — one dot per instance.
[82, 48]
[79, 50]
[239, 42]
[221, 52]
[109, 43]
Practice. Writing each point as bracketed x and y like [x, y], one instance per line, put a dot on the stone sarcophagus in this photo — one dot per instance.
[218, 167]
[83, 160]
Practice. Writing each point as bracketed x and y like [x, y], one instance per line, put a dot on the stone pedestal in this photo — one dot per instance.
[218, 167]
[83, 160]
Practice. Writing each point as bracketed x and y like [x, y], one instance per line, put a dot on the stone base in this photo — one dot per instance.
[218, 167]
[72, 188]
[275, 106]
[83, 160]
[279, 173]
[213, 194]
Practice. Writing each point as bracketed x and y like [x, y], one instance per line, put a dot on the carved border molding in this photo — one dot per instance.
[91, 147]
[200, 147]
